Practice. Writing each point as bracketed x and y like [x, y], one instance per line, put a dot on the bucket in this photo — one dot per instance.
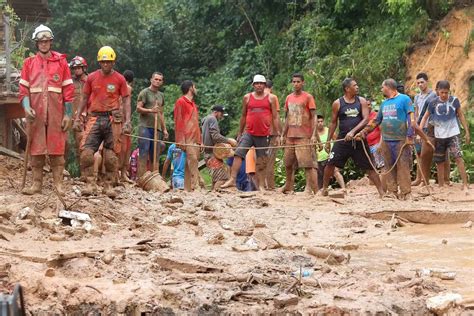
[152, 181]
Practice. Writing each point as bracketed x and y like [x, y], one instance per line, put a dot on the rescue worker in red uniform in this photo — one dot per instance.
[46, 93]
[103, 92]
[78, 67]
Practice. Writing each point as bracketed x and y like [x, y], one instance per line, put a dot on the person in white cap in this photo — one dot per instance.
[259, 112]
[46, 94]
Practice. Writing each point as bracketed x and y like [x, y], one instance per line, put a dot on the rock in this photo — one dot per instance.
[171, 221]
[50, 272]
[337, 195]
[444, 241]
[283, 300]
[467, 225]
[215, 238]
[175, 199]
[74, 215]
[389, 245]
[358, 230]
[437, 273]
[206, 206]
[441, 303]
[107, 258]
[248, 231]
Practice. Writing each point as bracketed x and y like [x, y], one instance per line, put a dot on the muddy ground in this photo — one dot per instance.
[233, 253]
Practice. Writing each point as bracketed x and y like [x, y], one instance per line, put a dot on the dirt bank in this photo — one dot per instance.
[447, 53]
[226, 252]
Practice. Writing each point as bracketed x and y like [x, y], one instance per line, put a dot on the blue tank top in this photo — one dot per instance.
[350, 115]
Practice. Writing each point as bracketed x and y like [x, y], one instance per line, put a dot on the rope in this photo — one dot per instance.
[393, 166]
[212, 147]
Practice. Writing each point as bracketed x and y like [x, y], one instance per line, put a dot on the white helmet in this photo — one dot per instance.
[259, 79]
[42, 32]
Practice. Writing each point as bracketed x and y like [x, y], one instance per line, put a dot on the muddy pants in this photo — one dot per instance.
[100, 128]
[191, 171]
[399, 177]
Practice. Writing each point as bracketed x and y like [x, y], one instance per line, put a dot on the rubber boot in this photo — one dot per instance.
[57, 166]
[37, 164]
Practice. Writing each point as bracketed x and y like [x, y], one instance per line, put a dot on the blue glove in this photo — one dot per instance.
[68, 106]
[30, 113]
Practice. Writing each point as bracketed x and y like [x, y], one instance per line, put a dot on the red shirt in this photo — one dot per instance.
[259, 116]
[298, 109]
[373, 138]
[186, 122]
[105, 91]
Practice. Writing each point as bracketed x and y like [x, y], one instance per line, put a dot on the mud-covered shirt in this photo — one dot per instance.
[443, 116]
[393, 117]
[298, 109]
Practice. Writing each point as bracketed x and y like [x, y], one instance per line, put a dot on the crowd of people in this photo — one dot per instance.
[378, 139]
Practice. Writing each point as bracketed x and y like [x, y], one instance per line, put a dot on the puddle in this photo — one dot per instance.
[421, 246]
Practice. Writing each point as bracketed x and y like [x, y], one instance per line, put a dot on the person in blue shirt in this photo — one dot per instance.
[397, 121]
[177, 157]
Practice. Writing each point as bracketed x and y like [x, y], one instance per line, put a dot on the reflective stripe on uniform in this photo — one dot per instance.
[25, 83]
[36, 90]
[67, 82]
[55, 89]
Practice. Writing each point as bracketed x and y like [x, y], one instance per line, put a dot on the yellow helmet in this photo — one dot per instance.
[106, 53]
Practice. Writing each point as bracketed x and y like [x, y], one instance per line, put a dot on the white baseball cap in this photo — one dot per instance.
[259, 78]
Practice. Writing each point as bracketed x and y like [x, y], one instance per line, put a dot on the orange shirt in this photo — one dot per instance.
[186, 122]
[298, 108]
[105, 91]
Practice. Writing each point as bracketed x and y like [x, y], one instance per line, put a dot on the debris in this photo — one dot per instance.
[24, 212]
[50, 272]
[332, 257]
[337, 195]
[265, 241]
[389, 245]
[214, 238]
[358, 230]
[441, 303]
[444, 241]
[153, 182]
[467, 225]
[246, 231]
[191, 266]
[304, 273]
[283, 300]
[55, 237]
[171, 221]
[74, 215]
[437, 273]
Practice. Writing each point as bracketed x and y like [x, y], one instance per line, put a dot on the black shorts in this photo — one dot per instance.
[342, 151]
[248, 141]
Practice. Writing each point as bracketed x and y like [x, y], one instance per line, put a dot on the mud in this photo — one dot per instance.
[229, 252]
[452, 59]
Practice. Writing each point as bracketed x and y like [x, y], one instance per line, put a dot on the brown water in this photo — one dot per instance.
[421, 246]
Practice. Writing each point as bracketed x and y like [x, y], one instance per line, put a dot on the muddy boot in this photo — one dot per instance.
[57, 166]
[108, 188]
[37, 164]
[91, 185]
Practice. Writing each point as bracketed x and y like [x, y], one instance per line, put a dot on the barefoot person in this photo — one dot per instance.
[422, 99]
[188, 133]
[259, 110]
[46, 94]
[150, 103]
[351, 113]
[444, 113]
[299, 130]
[397, 120]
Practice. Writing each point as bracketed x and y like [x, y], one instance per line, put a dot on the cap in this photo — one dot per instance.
[219, 108]
[259, 79]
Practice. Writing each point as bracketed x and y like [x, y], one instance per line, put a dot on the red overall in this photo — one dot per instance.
[48, 83]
